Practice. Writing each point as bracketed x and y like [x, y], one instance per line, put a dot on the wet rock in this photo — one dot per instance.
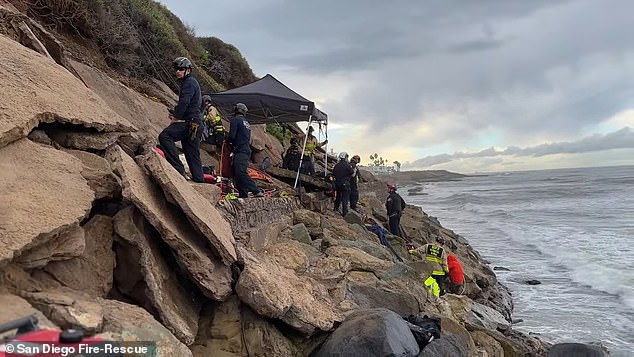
[501, 268]
[177, 307]
[577, 350]
[211, 275]
[374, 332]
[532, 282]
[447, 345]
[277, 292]
[200, 212]
[29, 220]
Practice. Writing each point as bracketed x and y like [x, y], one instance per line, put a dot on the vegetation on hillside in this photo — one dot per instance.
[140, 38]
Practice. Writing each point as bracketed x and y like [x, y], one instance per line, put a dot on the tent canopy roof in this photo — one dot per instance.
[269, 101]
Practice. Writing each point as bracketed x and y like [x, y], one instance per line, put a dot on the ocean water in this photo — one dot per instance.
[571, 229]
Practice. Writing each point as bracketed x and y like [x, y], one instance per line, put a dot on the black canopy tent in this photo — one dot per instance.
[270, 101]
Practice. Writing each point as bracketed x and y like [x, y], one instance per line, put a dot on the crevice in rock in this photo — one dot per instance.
[105, 207]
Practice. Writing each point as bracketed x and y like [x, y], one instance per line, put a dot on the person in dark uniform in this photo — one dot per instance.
[354, 182]
[240, 138]
[394, 206]
[186, 123]
[343, 174]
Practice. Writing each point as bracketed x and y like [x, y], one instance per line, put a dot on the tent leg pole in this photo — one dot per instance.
[301, 158]
[326, 154]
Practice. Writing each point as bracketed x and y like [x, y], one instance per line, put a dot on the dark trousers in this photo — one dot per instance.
[180, 132]
[308, 165]
[354, 195]
[442, 282]
[242, 181]
[342, 190]
[216, 138]
[395, 225]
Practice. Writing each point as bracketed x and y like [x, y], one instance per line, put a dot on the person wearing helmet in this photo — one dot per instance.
[394, 206]
[354, 182]
[309, 151]
[185, 123]
[240, 139]
[433, 258]
[343, 175]
[213, 121]
[292, 156]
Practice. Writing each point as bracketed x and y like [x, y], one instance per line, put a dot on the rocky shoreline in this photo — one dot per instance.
[100, 233]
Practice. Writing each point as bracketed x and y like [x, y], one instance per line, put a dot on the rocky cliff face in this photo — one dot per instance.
[98, 232]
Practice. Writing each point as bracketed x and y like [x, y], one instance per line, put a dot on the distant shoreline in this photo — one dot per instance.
[416, 177]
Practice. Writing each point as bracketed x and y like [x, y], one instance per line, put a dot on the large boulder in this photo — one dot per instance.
[211, 275]
[63, 98]
[177, 307]
[33, 213]
[577, 350]
[68, 308]
[366, 291]
[447, 345]
[92, 271]
[125, 322]
[200, 212]
[232, 329]
[373, 332]
[359, 260]
[84, 141]
[476, 314]
[277, 292]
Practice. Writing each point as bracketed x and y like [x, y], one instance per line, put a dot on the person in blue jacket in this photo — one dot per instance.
[186, 123]
[240, 138]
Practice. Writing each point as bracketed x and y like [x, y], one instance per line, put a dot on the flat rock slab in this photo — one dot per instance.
[27, 99]
[200, 212]
[211, 275]
[178, 309]
[92, 271]
[42, 194]
[276, 292]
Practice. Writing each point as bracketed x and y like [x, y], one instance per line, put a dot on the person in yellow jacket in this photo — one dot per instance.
[434, 257]
[309, 151]
[214, 122]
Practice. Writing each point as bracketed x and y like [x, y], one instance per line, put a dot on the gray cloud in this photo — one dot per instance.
[528, 71]
[621, 139]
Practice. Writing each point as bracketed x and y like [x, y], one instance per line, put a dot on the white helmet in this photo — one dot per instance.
[343, 155]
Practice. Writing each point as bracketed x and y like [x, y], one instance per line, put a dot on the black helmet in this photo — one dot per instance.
[182, 62]
[206, 99]
[241, 108]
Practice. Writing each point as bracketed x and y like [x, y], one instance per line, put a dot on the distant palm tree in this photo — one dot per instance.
[398, 166]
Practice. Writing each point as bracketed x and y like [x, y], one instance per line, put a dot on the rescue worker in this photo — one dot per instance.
[292, 156]
[455, 285]
[354, 182]
[185, 123]
[214, 122]
[394, 206]
[343, 174]
[309, 151]
[240, 138]
[434, 258]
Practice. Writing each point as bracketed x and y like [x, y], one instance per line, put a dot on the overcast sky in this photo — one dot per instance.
[469, 86]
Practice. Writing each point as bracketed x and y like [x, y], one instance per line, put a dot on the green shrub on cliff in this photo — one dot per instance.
[225, 63]
[137, 38]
